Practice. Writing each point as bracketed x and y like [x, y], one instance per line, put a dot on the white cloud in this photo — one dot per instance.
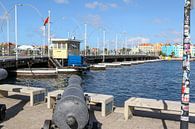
[62, 1]
[94, 20]
[3, 17]
[100, 5]
[129, 1]
[139, 40]
[160, 21]
[91, 5]
[126, 1]
[170, 35]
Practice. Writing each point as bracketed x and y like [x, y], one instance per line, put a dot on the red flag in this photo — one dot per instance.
[46, 21]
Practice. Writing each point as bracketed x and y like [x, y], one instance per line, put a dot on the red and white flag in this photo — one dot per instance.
[46, 21]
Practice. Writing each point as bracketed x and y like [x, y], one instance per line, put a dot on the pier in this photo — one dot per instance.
[110, 69]
[21, 115]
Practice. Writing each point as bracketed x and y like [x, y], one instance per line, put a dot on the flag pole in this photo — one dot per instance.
[44, 51]
[49, 33]
[185, 91]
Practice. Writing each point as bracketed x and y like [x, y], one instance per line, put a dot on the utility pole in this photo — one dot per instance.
[85, 39]
[185, 90]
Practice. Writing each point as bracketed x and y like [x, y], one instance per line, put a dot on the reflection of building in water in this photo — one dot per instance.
[62, 49]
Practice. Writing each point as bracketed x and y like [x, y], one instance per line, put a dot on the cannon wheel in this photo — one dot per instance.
[47, 124]
[2, 112]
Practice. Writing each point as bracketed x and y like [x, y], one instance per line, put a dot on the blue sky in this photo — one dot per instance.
[140, 20]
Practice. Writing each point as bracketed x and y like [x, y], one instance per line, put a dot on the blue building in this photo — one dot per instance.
[167, 49]
[176, 48]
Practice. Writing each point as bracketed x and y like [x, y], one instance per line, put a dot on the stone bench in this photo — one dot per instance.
[105, 100]
[36, 95]
[52, 97]
[154, 104]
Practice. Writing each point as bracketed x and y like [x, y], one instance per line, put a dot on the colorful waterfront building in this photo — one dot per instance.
[177, 50]
[192, 50]
[167, 49]
[157, 47]
[146, 48]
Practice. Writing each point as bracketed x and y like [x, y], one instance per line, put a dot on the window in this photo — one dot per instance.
[55, 46]
[63, 46]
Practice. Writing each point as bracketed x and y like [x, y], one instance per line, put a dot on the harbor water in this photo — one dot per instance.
[158, 80]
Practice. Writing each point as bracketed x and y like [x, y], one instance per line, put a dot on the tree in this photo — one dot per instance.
[162, 54]
[172, 54]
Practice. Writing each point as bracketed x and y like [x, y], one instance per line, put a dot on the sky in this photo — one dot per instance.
[131, 20]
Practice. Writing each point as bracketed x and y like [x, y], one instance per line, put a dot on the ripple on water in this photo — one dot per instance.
[159, 80]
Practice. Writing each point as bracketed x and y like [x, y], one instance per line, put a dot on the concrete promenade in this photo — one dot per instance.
[22, 116]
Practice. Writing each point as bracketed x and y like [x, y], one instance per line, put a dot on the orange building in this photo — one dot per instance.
[146, 48]
[149, 48]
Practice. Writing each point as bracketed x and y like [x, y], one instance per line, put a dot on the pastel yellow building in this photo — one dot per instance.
[62, 48]
[157, 48]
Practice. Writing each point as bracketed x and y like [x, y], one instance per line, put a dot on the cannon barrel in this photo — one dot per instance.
[71, 111]
[3, 74]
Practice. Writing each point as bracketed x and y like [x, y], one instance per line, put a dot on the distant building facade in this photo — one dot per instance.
[176, 50]
[7, 48]
[146, 48]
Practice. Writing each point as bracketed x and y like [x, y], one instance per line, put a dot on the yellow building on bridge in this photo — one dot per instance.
[62, 48]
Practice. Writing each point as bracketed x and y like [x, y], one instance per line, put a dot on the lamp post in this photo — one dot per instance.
[85, 39]
[16, 23]
[16, 31]
[104, 42]
[7, 20]
[116, 44]
[185, 91]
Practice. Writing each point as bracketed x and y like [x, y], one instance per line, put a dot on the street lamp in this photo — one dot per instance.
[16, 23]
[7, 20]
[85, 39]
[104, 42]
[116, 44]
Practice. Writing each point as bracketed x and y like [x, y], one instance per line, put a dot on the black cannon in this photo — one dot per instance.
[2, 111]
[3, 75]
[71, 110]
